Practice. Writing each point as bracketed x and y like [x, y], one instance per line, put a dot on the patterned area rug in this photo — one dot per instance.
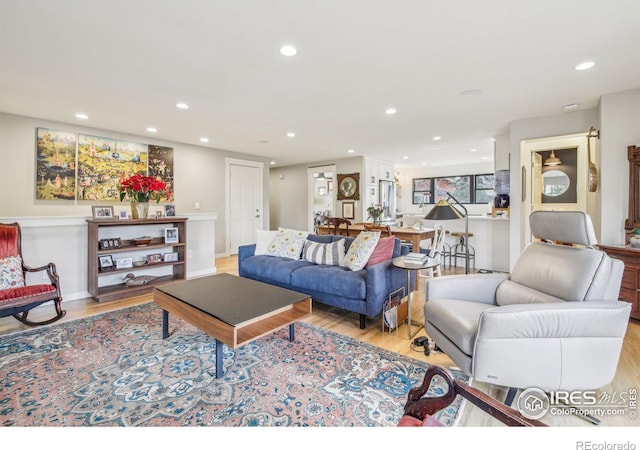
[114, 369]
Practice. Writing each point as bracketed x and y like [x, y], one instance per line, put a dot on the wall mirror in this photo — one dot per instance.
[556, 183]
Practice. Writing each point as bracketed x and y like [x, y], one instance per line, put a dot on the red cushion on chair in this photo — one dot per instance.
[8, 241]
[410, 421]
[43, 290]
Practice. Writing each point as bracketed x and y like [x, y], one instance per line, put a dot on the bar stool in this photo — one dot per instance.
[460, 249]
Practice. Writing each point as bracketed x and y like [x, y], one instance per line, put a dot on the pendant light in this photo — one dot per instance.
[552, 160]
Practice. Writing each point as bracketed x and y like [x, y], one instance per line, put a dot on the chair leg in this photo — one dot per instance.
[60, 313]
[363, 321]
[511, 395]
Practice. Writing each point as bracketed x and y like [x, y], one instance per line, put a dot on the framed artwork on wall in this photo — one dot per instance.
[348, 210]
[349, 186]
[56, 165]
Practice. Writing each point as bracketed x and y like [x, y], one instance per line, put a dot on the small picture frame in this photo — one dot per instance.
[104, 244]
[154, 258]
[124, 263]
[169, 210]
[159, 214]
[170, 257]
[348, 210]
[105, 262]
[171, 235]
[102, 212]
[123, 215]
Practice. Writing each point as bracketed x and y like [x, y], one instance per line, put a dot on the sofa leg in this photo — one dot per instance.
[363, 321]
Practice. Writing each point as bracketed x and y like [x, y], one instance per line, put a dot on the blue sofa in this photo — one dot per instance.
[362, 292]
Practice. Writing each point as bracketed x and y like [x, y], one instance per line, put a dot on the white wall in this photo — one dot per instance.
[289, 197]
[620, 128]
[199, 174]
[534, 128]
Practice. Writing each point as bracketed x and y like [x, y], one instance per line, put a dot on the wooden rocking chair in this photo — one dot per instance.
[17, 299]
[418, 410]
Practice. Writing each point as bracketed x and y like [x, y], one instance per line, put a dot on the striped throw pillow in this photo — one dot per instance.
[330, 254]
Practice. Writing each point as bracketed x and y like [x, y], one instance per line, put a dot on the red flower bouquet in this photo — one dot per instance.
[142, 188]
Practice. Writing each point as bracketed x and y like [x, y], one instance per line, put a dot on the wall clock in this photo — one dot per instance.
[349, 186]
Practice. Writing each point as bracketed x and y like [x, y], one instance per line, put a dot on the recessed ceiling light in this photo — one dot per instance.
[585, 65]
[81, 116]
[350, 150]
[570, 106]
[204, 139]
[473, 150]
[291, 135]
[437, 138]
[288, 50]
[272, 163]
[405, 157]
[390, 111]
[424, 163]
[152, 130]
[484, 157]
[182, 105]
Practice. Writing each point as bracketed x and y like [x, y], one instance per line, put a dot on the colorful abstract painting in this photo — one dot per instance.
[101, 163]
[56, 165]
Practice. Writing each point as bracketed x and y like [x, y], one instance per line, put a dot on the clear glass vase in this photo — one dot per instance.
[139, 210]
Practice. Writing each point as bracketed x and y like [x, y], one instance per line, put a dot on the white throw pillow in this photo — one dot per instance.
[287, 243]
[361, 249]
[263, 239]
[11, 275]
[331, 254]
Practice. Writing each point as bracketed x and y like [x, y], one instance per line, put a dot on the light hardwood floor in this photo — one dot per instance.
[627, 376]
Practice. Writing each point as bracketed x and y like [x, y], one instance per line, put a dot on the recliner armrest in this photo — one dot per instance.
[474, 287]
[555, 320]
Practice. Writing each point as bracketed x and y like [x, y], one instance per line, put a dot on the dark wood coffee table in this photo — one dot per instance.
[231, 309]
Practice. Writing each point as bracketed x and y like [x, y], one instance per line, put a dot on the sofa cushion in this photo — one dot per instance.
[333, 280]
[11, 275]
[287, 243]
[361, 249]
[383, 251]
[263, 239]
[456, 319]
[331, 254]
[272, 268]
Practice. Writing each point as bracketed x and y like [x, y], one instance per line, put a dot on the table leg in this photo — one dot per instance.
[292, 334]
[165, 324]
[219, 357]
[410, 323]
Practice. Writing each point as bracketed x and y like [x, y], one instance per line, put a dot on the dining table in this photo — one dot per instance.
[409, 234]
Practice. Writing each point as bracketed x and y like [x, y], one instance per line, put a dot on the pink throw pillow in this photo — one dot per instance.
[383, 251]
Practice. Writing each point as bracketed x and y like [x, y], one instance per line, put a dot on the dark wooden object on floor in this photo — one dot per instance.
[18, 301]
[334, 224]
[630, 287]
[422, 408]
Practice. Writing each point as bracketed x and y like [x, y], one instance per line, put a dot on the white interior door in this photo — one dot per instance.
[244, 203]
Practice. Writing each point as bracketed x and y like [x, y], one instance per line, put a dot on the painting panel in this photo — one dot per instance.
[101, 163]
[161, 167]
[459, 187]
[56, 165]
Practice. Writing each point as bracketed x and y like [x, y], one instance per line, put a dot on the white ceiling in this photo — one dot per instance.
[126, 63]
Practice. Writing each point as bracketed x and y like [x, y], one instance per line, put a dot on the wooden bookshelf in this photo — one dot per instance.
[107, 285]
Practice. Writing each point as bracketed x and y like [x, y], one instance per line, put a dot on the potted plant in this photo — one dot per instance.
[375, 213]
[140, 189]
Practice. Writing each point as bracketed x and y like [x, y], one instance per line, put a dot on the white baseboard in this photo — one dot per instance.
[202, 273]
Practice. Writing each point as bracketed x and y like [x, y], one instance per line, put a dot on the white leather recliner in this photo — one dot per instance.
[554, 323]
